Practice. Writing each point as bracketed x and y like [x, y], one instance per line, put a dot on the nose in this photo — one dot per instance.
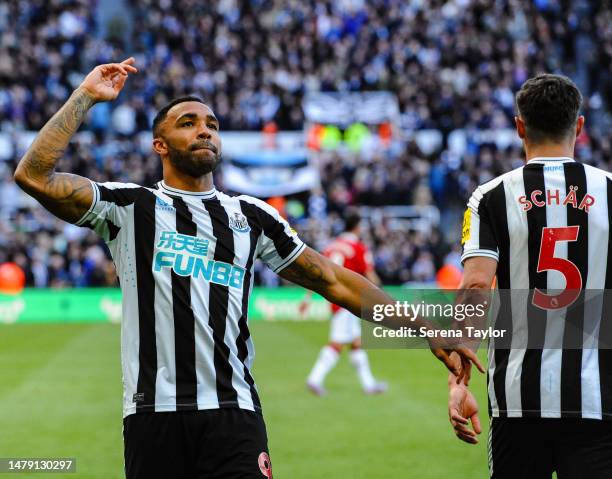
[204, 133]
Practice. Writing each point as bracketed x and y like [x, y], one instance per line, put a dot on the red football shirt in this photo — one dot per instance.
[348, 251]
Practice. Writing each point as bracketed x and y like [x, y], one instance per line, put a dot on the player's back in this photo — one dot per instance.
[531, 217]
[547, 224]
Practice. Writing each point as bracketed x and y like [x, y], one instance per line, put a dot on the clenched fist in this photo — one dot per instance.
[105, 82]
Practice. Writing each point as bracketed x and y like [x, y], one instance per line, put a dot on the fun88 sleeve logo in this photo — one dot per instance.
[186, 256]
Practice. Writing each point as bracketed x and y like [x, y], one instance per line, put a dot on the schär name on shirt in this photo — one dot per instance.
[540, 198]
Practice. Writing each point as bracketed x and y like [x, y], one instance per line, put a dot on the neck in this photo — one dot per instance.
[180, 181]
[549, 150]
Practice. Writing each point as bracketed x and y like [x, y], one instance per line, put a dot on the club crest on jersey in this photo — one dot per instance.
[239, 223]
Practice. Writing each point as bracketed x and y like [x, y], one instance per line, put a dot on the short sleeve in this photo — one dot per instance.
[279, 244]
[108, 211]
[477, 235]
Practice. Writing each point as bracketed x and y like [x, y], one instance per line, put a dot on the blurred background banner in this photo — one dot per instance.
[345, 108]
[267, 164]
[37, 305]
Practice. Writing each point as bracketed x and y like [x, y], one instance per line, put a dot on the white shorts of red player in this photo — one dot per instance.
[345, 327]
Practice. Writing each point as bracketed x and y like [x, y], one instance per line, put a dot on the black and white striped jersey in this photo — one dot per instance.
[185, 265]
[547, 224]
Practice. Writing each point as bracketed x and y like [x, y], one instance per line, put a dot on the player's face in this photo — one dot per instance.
[191, 136]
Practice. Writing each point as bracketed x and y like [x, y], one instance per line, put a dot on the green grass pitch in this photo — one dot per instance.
[60, 395]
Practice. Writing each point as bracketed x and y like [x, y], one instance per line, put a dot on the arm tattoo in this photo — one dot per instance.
[50, 144]
[306, 270]
[335, 283]
[67, 196]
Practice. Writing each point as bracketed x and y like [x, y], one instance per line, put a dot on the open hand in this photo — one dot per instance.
[105, 82]
[463, 408]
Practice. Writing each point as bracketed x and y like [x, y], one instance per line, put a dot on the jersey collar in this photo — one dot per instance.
[549, 159]
[199, 194]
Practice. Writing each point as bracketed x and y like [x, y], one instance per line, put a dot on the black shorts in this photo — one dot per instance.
[216, 443]
[526, 448]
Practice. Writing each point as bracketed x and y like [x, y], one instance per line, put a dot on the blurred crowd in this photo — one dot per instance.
[400, 254]
[452, 64]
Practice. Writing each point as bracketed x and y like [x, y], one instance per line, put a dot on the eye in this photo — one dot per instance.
[213, 126]
[188, 123]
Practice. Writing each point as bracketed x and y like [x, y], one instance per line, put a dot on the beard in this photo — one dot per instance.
[194, 163]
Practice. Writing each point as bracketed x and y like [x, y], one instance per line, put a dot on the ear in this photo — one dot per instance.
[159, 146]
[579, 125]
[520, 127]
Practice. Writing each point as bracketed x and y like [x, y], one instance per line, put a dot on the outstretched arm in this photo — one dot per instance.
[352, 291]
[336, 284]
[65, 195]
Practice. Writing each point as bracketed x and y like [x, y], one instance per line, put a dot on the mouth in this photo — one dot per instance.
[204, 146]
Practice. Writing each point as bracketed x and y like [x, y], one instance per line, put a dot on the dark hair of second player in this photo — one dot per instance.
[549, 106]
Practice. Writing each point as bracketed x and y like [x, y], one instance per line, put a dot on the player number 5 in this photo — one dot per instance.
[548, 262]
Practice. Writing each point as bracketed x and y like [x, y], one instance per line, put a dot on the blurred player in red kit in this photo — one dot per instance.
[347, 251]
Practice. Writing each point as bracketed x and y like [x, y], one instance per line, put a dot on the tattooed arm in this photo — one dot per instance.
[341, 286]
[354, 292]
[338, 285]
[65, 195]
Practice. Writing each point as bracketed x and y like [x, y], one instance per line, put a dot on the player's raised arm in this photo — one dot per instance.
[66, 195]
[350, 290]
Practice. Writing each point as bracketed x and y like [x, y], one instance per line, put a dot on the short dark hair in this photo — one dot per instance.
[549, 105]
[351, 219]
[161, 114]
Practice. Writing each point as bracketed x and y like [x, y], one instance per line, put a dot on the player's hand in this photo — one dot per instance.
[105, 82]
[459, 364]
[463, 408]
